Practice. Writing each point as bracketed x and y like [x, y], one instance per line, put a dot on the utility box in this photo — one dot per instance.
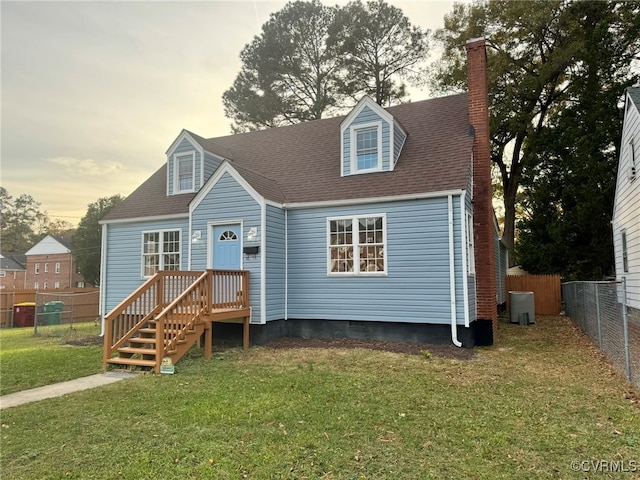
[522, 308]
[24, 314]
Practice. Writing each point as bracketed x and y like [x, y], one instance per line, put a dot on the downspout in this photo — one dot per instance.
[286, 264]
[263, 264]
[452, 276]
[465, 272]
[103, 276]
[190, 239]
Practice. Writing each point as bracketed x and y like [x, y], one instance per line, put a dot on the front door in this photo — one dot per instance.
[226, 247]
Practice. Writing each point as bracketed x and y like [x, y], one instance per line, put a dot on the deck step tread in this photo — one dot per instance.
[142, 340]
[134, 350]
[132, 361]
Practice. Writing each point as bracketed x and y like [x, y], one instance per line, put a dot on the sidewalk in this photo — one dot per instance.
[59, 389]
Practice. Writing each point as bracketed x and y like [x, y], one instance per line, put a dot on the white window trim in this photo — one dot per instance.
[36, 286]
[354, 146]
[356, 246]
[57, 268]
[624, 251]
[161, 252]
[36, 269]
[56, 285]
[471, 257]
[46, 268]
[176, 179]
[633, 167]
[3, 273]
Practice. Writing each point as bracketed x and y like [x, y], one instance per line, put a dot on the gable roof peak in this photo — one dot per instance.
[365, 102]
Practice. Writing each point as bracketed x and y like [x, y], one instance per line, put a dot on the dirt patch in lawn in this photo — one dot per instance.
[443, 351]
[85, 341]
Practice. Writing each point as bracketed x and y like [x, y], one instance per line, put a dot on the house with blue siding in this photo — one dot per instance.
[375, 225]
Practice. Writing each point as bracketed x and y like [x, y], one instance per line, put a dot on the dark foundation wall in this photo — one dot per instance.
[231, 334]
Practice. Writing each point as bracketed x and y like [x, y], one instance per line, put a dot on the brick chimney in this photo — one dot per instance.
[483, 216]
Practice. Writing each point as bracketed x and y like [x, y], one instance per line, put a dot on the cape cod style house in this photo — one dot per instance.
[626, 206]
[375, 225]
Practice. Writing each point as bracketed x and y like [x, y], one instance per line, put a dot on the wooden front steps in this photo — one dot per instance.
[169, 313]
[141, 350]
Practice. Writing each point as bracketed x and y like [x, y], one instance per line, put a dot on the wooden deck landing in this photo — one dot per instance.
[169, 313]
[225, 315]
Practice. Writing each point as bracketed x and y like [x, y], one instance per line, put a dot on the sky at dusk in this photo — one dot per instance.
[93, 93]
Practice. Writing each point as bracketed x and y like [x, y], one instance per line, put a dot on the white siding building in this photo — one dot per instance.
[626, 209]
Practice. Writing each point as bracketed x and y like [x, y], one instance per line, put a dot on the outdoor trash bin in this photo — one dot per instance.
[24, 314]
[52, 313]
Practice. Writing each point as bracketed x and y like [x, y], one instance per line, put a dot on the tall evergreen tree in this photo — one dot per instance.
[380, 51]
[311, 60]
[289, 73]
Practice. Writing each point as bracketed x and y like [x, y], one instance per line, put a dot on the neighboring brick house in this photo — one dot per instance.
[51, 265]
[12, 271]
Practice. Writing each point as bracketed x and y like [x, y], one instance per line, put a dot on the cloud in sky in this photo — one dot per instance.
[87, 167]
[93, 93]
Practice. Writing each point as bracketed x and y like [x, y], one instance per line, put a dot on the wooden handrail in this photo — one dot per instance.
[181, 315]
[122, 322]
[175, 301]
[230, 289]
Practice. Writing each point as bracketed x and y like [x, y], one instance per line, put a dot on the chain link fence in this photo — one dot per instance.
[599, 308]
[65, 309]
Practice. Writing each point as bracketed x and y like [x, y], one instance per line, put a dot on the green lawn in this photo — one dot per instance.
[526, 408]
[29, 361]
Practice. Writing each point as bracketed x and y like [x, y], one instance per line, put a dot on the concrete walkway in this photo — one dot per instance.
[59, 389]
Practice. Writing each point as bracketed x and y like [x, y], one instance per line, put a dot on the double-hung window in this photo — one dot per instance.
[184, 172]
[633, 171]
[471, 262]
[366, 148]
[160, 251]
[357, 245]
[36, 269]
[57, 267]
[625, 254]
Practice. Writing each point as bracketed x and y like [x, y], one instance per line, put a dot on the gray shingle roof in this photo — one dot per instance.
[301, 163]
[634, 93]
[13, 261]
[150, 200]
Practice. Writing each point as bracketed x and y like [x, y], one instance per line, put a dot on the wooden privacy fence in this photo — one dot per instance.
[545, 288]
[84, 305]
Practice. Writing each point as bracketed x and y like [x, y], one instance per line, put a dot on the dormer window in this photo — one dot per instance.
[185, 170]
[370, 140]
[367, 154]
